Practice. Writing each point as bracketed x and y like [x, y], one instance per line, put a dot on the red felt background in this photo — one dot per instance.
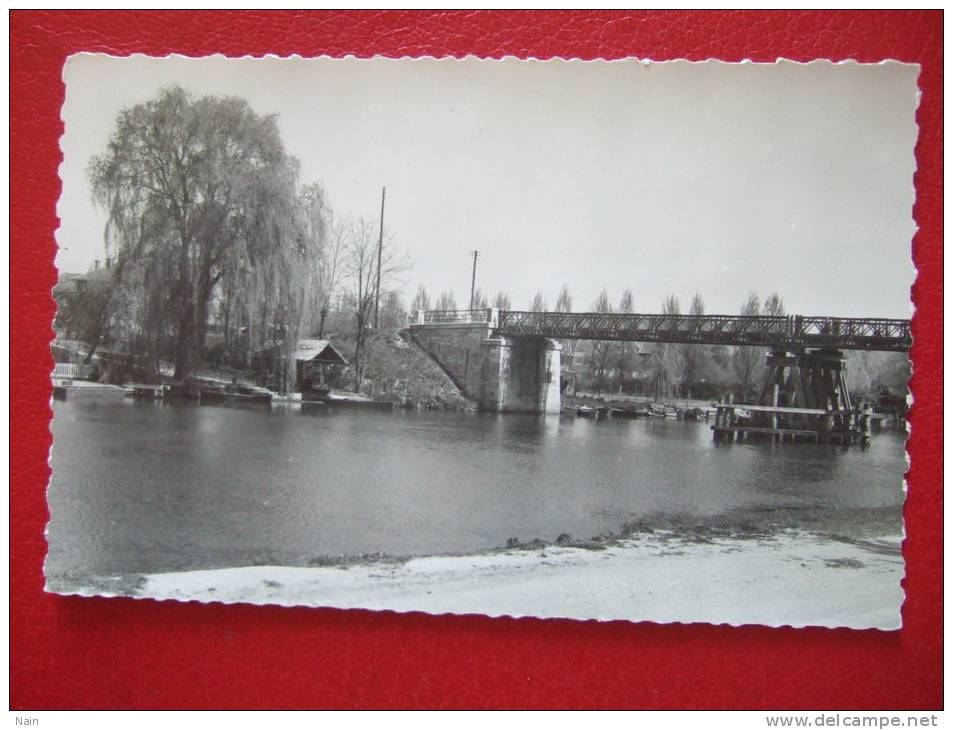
[95, 653]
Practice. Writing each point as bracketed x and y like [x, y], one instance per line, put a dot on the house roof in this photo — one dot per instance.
[318, 351]
[68, 281]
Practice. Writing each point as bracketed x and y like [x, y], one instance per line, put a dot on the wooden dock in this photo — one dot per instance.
[65, 389]
[146, 391]
[737, 422]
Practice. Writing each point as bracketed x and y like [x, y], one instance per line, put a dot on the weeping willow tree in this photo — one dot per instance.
[204, 213]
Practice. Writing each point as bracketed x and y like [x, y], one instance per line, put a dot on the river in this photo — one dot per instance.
[148, 487]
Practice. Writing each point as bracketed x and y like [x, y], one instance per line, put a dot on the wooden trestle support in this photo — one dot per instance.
[804, 398]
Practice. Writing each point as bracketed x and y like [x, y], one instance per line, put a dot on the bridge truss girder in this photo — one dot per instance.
[840, 333]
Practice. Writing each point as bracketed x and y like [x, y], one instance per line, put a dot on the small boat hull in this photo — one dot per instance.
[623, 413]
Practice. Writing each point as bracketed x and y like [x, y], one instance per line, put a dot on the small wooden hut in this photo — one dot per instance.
[311, 358]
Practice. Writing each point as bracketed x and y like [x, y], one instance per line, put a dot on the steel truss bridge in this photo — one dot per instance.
[780, 333]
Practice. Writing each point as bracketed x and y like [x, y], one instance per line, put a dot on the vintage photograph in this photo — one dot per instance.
[596, 340]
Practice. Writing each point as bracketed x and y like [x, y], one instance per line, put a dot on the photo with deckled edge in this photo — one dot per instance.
[594, 340]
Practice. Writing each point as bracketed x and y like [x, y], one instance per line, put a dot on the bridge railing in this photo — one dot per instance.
[456, 316]
[764, 331]
[646, 327]
[71, 371]
[852, 332]
[844, 333]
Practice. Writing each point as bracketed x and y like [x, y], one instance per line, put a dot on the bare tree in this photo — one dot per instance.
[748, 362]
[330, 269]
[83, 310]
[564, 304]
[667, 365]
[698, 305]
[447, 302]
[393, 314]
[564, 300]
[480, 300]
[362, 258]
[502, 300]
[694, 357]
[539, 303]
[626, 306]
[773, 306]
[421, 300]
[599, 350]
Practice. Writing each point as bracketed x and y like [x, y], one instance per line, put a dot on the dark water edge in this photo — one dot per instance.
[141, 488]
[668, 531]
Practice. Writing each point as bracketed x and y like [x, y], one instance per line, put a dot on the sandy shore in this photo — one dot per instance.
[796, 579]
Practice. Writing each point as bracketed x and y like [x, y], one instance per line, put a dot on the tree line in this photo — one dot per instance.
[671, 370]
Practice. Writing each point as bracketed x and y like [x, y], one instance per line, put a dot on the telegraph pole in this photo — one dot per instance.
[476, 255]
[380, 246]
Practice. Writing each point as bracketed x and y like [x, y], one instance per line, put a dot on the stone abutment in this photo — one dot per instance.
[502, 374]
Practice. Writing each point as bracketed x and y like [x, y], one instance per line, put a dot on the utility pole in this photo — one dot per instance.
[476, 255]
[380, 246]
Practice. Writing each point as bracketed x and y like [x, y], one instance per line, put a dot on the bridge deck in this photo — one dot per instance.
[840, 333]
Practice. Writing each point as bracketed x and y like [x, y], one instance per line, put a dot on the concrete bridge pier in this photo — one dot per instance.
[523, 375]
[502, 374]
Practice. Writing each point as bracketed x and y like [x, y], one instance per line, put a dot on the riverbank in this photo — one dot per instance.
[794, 578]
[396, 372]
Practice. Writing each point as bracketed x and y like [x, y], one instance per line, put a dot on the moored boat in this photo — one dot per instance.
[246, 397]
[663, 411]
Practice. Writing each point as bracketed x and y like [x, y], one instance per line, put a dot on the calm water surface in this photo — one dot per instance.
[142, 487]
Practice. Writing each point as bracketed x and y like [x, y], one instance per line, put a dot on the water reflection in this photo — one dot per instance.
[142, 487]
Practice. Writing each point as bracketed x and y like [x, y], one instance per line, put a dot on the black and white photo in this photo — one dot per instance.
[597, 340]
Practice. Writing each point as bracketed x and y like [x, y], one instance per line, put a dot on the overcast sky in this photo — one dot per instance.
[664, 178]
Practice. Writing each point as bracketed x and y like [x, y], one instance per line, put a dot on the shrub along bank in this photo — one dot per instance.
[399, 371]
